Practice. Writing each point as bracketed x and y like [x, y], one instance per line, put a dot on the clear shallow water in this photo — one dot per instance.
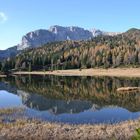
[75, 100]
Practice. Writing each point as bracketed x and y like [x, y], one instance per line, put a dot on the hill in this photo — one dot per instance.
[101, 51]
[55, 33]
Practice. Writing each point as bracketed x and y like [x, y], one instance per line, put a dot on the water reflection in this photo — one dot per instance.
[54, 106]
[75, 95]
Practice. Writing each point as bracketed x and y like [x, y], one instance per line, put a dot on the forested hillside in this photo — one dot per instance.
[102, 51]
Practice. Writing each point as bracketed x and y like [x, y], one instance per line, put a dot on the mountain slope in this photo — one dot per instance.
[8, 52]
[53, 34]
[58, 33]
[101, 51]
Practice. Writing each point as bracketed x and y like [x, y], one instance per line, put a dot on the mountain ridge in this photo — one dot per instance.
[55, 33]
[101, 51]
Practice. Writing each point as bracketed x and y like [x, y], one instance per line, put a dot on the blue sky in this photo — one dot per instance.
[17, 17]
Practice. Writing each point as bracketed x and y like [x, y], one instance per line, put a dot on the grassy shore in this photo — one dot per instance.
[25, 129]
[36, 130]
[118, 72]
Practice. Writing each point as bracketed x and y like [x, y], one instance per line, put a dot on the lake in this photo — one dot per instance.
[74, 100]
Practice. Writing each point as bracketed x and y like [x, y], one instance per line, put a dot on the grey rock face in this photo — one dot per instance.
[96, 33]
[70, 33]
[58, 33]
[54, 33]
[36, 39]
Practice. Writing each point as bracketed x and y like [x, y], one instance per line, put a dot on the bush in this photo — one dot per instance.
[137, 135]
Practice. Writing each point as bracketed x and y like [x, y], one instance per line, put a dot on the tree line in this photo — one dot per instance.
[102, 51]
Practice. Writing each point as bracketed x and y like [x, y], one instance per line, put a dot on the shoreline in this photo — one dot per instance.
[27, 129]
[34, 129]
[116, 72]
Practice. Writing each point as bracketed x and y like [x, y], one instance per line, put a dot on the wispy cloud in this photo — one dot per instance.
[3, 17]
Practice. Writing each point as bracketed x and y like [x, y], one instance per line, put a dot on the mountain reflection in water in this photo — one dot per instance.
[70, 95]
[54, 106]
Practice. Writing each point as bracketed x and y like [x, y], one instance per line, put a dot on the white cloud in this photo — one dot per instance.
[3, 17]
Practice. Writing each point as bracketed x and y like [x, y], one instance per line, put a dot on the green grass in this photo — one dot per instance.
[137, 135]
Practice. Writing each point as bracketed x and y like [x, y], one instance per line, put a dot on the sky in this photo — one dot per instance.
[18, 17]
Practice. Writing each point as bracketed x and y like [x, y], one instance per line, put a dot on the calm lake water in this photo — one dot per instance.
[75, 100]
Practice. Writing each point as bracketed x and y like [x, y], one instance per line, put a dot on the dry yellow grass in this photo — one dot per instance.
[10, 111]
[37, 130]
[27, 130]
[118, 72]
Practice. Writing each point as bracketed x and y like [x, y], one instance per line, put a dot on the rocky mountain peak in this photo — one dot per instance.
[55, 29]
[55, 33]
[58, 33]
[96, 32]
